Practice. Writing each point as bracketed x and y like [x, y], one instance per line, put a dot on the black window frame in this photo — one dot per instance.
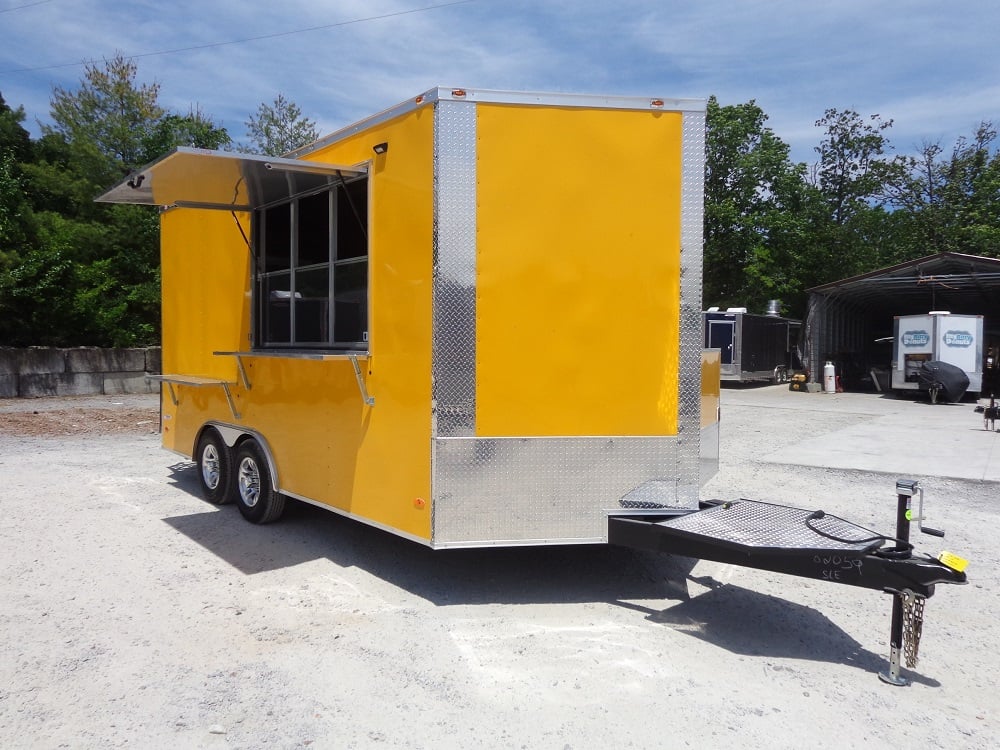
[287, 314]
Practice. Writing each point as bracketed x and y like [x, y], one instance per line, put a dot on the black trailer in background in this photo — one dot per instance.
[754, 347]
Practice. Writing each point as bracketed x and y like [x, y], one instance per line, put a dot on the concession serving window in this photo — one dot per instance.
[309, 232]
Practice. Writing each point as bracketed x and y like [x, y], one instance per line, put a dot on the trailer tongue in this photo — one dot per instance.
[811, 544]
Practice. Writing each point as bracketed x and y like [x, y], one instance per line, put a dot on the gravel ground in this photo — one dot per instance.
[134, 614]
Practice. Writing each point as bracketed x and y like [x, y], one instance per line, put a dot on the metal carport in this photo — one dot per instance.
[845, 319]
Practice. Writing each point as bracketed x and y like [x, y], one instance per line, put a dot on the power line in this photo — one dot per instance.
[248, 39]
[21, 7]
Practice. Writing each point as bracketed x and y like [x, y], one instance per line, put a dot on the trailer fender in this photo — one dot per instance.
[234, 435]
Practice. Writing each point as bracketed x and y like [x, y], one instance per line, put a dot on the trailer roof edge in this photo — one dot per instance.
[496, 96]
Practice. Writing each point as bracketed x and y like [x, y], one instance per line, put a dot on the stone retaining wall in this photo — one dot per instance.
[83, 371]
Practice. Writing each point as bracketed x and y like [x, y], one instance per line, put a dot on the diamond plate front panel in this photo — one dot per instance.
[692, 217]
[454, 283]
[542, 490]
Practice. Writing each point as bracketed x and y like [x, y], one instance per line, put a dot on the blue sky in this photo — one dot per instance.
[933, 67]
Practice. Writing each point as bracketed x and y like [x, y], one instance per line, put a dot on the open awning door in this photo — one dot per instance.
[199, 178]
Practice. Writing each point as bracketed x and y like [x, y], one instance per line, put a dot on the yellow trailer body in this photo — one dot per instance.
[472, 319]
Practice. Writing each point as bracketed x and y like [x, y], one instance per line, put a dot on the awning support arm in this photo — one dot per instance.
[369, 400]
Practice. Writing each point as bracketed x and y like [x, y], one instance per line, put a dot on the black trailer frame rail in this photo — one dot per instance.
[809, 544]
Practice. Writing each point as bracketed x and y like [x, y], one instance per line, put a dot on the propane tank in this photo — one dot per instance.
[829, 378]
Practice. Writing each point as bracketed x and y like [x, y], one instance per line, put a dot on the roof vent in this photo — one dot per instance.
[773, 308]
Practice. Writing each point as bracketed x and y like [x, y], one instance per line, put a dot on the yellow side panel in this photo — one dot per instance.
[206, 276]
[205, 272]
[328, 446]
[578, 271]
[711, 379]
[389, 447]
[312, 417]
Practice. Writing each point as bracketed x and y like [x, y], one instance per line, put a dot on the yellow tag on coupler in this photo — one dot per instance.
[953, 561]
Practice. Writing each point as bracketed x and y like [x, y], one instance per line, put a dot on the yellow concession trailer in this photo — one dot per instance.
[472, 319]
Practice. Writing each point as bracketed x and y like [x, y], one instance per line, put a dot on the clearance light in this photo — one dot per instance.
[458, 92]
[419, 99]
[656, 103]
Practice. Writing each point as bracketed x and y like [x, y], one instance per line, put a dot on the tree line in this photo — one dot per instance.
[775, 228]
[74, 272]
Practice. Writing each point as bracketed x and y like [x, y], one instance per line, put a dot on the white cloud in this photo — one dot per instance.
[929, 66]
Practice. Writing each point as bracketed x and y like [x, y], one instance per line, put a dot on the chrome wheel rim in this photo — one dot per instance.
[249, 482]
[210, 472]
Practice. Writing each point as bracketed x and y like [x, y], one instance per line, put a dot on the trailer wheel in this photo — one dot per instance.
[255, 495]
[215, 467]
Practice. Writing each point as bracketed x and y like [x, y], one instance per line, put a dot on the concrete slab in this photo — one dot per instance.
[889, 435]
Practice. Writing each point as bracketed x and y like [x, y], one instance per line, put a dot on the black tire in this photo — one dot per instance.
[255, 495]
[215, 467]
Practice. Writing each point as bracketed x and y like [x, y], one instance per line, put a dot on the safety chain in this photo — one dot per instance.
[913, 625]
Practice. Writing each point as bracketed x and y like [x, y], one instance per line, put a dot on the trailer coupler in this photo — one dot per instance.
[810, 544]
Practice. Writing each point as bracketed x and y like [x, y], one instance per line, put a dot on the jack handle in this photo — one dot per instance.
[906, 488]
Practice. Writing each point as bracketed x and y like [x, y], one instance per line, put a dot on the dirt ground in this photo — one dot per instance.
[134, 614]
[84, 415]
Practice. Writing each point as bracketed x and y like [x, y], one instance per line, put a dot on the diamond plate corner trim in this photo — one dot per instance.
[692, 218]
[454, 270]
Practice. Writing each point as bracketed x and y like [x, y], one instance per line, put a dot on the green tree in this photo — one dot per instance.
[854, 175]
[38, 296]
[194, 129]
[275, 129]
[88, 273]
[63, 177]
[951, 201]
[109, 111]
[853, 171]
[16, 219]
[972, 194]
[918, 196]
[14, 139]
[755, 210]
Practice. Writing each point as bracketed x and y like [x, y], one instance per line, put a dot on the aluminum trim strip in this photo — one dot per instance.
[522, 543]
[454, 271]
[692, 217]
[566, 99]
[410, 105]
[446, 93]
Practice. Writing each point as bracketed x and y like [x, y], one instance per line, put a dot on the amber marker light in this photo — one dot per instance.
[458, 92]
[419, 502]
[656, 103]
